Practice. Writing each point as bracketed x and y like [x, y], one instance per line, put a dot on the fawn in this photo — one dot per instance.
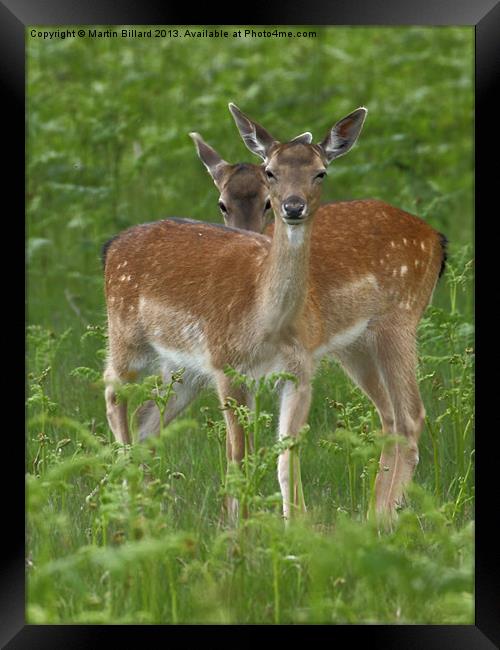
[359, 248]
[182, 293]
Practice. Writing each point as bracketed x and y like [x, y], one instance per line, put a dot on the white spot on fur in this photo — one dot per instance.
[394, 272]
[404, 269]
[393, 245]
[422, 246]
[405, 241]
[122, 278]
[417, 262]
[129, 277]
[381, 261]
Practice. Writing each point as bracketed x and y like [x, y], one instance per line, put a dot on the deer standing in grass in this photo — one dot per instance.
[191, 295]
[374, 267]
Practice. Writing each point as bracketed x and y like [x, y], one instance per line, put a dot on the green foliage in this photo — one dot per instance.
[137, 534]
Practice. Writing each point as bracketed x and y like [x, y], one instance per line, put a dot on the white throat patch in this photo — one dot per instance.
[295, 235]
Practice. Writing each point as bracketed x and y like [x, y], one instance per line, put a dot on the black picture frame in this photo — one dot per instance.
[484, 15]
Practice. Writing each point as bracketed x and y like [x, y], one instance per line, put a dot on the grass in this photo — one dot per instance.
[136, 535]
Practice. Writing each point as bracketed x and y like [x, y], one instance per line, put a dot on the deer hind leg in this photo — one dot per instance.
[126, 359]
[360, 363]
[398, 361]
[148, 414]
[294, 409]
[116, 412]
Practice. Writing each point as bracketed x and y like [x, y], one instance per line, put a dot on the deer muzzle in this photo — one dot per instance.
[293, 209]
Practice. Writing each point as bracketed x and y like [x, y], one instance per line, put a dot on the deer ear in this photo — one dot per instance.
[209, 157]
[303, 138]
[255, 136]
[341, 137]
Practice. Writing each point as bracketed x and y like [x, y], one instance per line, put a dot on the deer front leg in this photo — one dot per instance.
[294, 408]
[235, 436]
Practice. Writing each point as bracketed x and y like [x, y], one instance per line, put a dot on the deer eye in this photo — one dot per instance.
[222, 207]
[320, 176]
[267, 206]
[270, 174]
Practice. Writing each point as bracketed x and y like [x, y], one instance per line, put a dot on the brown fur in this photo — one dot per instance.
[352, 240]
[245, 299]
[349, 239]
[161, 255]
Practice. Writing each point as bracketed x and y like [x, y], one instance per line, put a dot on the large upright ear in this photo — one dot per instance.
[209, 157]
[341, 137]
[255, 136]
[303, 138]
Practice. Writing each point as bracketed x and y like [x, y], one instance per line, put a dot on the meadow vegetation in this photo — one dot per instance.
[137, 534]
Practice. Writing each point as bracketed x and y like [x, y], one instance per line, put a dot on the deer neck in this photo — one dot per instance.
[284, 280]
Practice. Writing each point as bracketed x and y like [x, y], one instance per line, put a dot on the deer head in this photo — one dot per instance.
[295, 170]
[244, 194]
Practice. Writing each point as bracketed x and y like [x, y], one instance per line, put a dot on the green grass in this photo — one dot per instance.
[137, 535]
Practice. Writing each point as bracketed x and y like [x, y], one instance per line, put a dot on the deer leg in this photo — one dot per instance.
[250, 402]
[235, 437]
[116, 412]
[294, 409]
[248, 399]
[399, 459]
[360, 364]
[148, 414]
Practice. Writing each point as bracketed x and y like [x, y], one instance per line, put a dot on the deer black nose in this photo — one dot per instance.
[294, 207]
